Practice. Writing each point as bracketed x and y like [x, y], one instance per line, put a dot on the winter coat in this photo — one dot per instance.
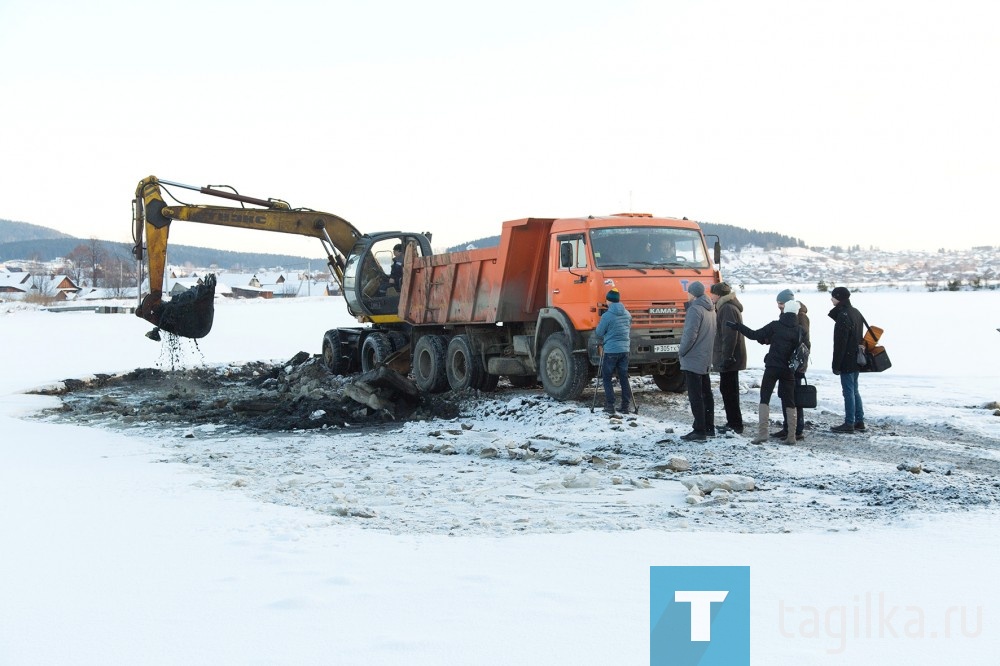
[614, 328]
[783, 336]
[729, 344]
[698, 338]
[848, 331]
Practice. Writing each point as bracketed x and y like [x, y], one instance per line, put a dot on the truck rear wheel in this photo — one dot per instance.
[465, 368]
[670, 382]
[429, 362]
[564, 374]
[333, 353]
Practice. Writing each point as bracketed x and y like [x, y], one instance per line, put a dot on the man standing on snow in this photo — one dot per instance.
[695, 354]
[730, 352]
[613, 332]
[848, 333]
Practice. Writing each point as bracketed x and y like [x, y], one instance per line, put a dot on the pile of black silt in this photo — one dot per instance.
[300, 394]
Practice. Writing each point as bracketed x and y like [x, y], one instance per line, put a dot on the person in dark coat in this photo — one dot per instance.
[729, 355]
[783, 337]
[800, 374]
[614, 335]
[695, 355]
[396, 271]
[848, 333]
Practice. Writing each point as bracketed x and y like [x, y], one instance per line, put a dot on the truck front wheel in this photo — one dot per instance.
[670, 382]
[429, 364]
[564, 374]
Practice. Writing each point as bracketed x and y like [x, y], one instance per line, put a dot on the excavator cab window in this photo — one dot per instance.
[374, 272]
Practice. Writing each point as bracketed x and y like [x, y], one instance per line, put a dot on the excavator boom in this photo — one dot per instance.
[191, 314]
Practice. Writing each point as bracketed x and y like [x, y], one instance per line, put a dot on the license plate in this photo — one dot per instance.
[663, 349]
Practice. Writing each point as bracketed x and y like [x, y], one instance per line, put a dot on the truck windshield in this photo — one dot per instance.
[634, 247]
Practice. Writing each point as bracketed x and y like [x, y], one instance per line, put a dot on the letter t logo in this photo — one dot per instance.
[701, 610]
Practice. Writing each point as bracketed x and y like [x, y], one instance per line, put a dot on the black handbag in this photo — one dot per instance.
[805, 395]
[878, 360]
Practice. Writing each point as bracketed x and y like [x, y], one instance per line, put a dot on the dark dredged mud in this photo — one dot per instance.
[300, 394]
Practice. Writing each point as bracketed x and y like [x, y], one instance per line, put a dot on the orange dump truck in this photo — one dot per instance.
[527, 309]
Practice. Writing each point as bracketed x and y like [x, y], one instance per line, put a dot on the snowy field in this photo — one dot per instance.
[521, 532]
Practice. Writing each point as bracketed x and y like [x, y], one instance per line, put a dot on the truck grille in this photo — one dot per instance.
[658, 315]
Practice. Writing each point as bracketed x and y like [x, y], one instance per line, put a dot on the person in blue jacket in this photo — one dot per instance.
[613, 332]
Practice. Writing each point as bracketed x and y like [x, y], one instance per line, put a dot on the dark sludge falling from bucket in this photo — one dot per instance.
[190, 313]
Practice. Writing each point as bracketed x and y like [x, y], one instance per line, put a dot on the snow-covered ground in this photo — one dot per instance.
[521, 532]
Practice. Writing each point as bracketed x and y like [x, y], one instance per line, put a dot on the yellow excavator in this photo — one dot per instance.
[360, 263]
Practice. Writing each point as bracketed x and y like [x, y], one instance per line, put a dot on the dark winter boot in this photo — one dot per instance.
[843, 428]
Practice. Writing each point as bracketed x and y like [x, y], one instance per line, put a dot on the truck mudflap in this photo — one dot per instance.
[190, 314]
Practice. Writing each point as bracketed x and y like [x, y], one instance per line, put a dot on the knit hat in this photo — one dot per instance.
[721, 289]
[841, 294]
[696, 289]
[791, 307]
[785, 295]
[613, 295]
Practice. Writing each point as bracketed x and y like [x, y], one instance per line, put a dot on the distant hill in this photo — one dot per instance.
[737, 237]
[729, 236]
[11, 232]
[19, 240]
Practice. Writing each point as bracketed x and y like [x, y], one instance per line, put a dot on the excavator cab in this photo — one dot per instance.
[373, 273]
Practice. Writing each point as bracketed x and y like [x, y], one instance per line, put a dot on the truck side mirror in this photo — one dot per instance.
[718, 253]
[565, 255]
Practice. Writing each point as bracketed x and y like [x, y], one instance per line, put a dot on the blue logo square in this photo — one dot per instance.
[699, 616]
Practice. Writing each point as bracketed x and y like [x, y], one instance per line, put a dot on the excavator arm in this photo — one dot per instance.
[190, 315]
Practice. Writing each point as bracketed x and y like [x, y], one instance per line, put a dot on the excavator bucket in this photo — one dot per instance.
[189, 314]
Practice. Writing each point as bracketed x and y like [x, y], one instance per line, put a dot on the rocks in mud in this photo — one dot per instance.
[706, 483]
[911, 467]
[674, 464]
[715, 487]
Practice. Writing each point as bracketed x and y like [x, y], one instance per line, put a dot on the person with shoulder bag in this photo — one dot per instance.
[800, 374]
[848, 333]
[729, 354]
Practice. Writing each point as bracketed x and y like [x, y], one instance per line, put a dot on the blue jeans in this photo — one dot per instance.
[854, 412]
[616, 365]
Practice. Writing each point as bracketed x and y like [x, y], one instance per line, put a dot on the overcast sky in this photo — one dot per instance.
[836, 122]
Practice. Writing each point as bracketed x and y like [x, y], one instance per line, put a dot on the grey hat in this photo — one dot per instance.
[785, 295]
[696, 289]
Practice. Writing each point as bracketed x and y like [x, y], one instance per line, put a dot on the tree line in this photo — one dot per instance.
[729, 236]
